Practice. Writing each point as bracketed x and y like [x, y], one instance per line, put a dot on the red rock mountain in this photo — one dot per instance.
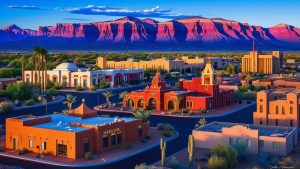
[133, 30]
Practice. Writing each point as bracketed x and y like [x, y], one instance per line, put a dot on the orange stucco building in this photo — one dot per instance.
[196, 94]
[272, 109]
[258, 138]
[71, 135]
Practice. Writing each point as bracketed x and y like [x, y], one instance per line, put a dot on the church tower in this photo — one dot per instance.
[208, 74]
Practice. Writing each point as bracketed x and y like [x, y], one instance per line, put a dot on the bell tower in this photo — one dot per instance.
[208, 74]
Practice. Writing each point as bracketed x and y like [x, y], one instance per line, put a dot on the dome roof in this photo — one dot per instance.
[67, 66]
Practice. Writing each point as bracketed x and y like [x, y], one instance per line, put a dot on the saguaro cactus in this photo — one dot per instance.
[191, 149]
[163, 146]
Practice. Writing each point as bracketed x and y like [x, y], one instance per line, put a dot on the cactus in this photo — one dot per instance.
[191, 149]
[163, 146]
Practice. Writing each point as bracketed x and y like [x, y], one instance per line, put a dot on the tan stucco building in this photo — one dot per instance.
[256, 62]
[182, 65]
[258, 138]
[275, 110]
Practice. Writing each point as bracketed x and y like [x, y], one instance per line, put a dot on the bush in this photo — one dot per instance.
[10, 72]
[58, 85]
[29, 102]
[127, 146]
[243, 88]
[260, 88]
[3, 93]
[168, 130]
[227, 153]
[173, 163]
[23, 151]
[6, 107]
[216, 162]
[203, 111]
[53, 92]
[50, 84]
[22, 91]
[160, 126]
[79, 88]
[89, 156]
[251, 87]
[92, 88]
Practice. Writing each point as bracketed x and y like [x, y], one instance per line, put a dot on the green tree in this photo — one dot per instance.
[70, 99]
[22, 91]
[142, 115]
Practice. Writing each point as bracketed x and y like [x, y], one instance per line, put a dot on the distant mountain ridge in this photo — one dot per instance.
[130, 31]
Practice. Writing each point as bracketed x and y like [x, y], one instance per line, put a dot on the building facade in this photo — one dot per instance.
[262, 63]
[71, 135]
[278, 82]
[73, 76]
[258, 138]
[196, 94]
[183, 65]
[277, 111]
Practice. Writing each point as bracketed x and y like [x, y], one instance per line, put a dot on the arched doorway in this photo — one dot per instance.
[171, 105]
[152, 104]
[140, 103]
[130, 103]
[118, 79]
[54, 78]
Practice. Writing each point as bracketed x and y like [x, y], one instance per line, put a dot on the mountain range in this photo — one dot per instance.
[133, 33]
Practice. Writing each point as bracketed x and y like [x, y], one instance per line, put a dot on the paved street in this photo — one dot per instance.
[182, 125]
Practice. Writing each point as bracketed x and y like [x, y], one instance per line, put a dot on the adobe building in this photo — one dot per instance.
[183, 65]
[72, 135]
[275, 110]
[196, 94]
[73, 76]
[256, 62]
[278, 82]
[276, 140]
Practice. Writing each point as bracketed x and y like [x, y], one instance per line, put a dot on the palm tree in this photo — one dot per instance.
[70, 99]
[107, 96]
[122, 95]
[144, 116]
[40, 61]
[178, 100]
[22, 60]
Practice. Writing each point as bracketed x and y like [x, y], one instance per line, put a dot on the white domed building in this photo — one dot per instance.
[72, 76]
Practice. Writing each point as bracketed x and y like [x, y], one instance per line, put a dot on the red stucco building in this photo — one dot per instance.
[196, 94]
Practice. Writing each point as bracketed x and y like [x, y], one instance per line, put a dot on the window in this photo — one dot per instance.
[291, 110]
[238, 141]
[260, 121]
[261, 100]
[62, 150]
[231, 141]
[261, 143]
[291, 102]
[276, 109]
[105, 142]
[189, 104]
[261, 108]
[44, 145]
[113, 140]
[276, 122]
[206, 87]
[291, 123]
[31, 143]
[283, 112]
[140, 132]
[119, 138]
[75, 82]
[86, 147]
[248, 143]
[276, 145]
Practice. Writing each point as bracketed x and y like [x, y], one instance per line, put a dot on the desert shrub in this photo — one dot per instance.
[242, 151]
[160, 126]
[173, 163]
[58, 85]
[127, 146]
[29, 102]
[168, 130]
[53, 92]
[79, 88]
[203, 111]
[93, 88]
[22, 91]
[289, 162]
[216, 162]
[6, 107]
[243, 88]
[89, 156]
[23, 151]
[227, 153]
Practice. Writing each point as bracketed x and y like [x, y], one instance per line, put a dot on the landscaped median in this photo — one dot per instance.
[127, 150]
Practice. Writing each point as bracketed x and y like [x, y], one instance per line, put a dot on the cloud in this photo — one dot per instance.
[156, 12]
[26, 7]
[76, 19]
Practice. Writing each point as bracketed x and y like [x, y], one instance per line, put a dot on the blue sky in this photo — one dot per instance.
[32, 13]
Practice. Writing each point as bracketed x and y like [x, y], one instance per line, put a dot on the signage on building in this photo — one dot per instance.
[112, 131]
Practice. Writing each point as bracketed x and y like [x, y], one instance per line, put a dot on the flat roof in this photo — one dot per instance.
[62, 122]
[263, 130]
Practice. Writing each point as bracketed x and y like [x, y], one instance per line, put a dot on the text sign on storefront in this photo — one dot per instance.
[112, 131]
